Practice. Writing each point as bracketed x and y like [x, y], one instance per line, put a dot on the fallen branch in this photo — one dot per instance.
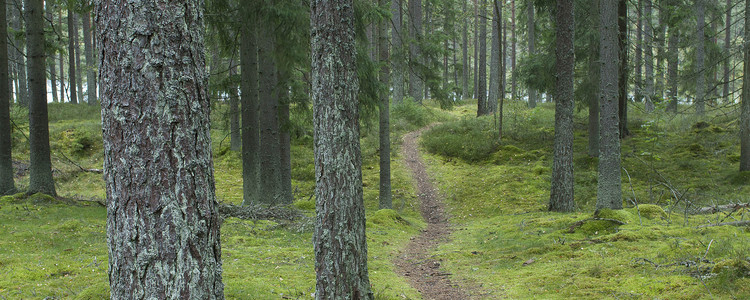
[718, 208]
[737, 223]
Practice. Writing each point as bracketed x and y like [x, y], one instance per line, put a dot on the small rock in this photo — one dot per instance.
[528, 262]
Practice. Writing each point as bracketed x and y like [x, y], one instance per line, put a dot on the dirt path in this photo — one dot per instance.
[414, 262]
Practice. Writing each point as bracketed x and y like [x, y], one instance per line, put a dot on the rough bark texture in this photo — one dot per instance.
[269, 155]
[609, 194]
[51, 57]
[285, 146]
[162, 218]
[465, 54]
[61, 59]
[339, 238]
[672, 64]
[416, 85]
[513, 85]
[79, 77]
[397, 60]
[727, 49]
[249, 87]
[483, 107]
[561, 194]
[40, 169]
[88, 50]
[659, 41]
[593, 95]
[22, 90]
[72, 78]
[745, 110]
[648, 56]
[495, 55]
[235, 139]
[638, 78]
[700, 53]
[385, 124]
[7, 186]
[531, 36]
[622, 24]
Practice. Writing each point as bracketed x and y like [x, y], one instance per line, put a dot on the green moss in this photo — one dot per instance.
[13, 199]
[70, 226]
[97, 291]
[305, 204]
[42, 199]
[733, 267]
[739, 178]
[619, 215]
[651, 211]
[387, 217]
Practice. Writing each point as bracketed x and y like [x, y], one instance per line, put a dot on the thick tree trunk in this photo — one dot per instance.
[476, 51]
[40, 169]
[745, 110]
[495, 55]
[72, 78]
[285, 141]
[416, 85]
[700, 53]
[384, 128]
[531, 36]
[464, 54]
[235, 139]
[339, 238]
[609, 194]
[162, 218]
[672, 65]
[593, 95]
[22, 91]
[250, 125]
[398, 58]
[7, 186]
[648, 57]
[88, 50]
[622, 24]
[482, 103]
[513, 83]
[51, 57]
[561, 194]
[638, 78]
[727, 51]
[270, 157]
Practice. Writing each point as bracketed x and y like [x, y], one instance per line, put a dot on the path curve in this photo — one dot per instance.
[414, 262]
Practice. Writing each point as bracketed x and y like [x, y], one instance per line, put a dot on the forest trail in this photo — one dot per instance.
[415, 262]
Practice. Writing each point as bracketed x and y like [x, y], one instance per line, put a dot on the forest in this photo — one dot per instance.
[374, 149]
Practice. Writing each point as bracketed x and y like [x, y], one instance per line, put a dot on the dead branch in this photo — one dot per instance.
[737, 223]
[718, 208]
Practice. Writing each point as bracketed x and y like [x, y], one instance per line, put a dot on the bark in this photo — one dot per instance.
[249, 87]
[270, 157]
[339, 238]
[622, 23]
[285, 142]
[561, 194]
[464, 54]
[495, 55]
[79, 77]
[531, 36]
[648, 58]
[7, 186]
[745, 105]
[513, 84]
[61, 59]
[88, 50]
[660, 40]
[235, 139]
[700, 53]
[672, 65]
[51, 57]
[40, 169]
[72, 76]
[22, 91]
[609, 194]
[416, 85]
[397, 60]
[482, 103]
[476, 50]
[593, 95]
[384, 129]
[727, 50]
[162, 217]
[638, 78]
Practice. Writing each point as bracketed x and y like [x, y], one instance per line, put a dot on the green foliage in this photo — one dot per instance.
[470, 139]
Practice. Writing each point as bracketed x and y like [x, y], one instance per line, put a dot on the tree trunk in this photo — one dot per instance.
[339, 238]
[235, 139]
[270, 157]
[397, 60]
[593, 95]
[464, 54]
[648, 57]
[51, 57]
[659, 41]
[672, 65]
[727, 50]
[384, 130]
[285, 142]
[513, 84]
[162, 218]
[745, 110]
[79, 77]
[700, 53]
[40, 169]
[561, 194]
[476, 51]
[416, 85]
[7, 186]
[72, 78]
[88, 50]
[622, 23]
[638, 78]
[22, 92]
[609, 194]
[250, 125]
[531, 36]
[61, 59]
[495, 55]
[482, 103]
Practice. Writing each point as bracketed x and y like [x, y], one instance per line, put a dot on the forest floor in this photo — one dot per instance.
[416, 262]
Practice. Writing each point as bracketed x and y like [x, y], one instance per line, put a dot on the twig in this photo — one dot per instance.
[708, 248]
[717, 208]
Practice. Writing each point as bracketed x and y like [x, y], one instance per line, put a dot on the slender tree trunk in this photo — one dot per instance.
[464, 54]
[7, 186]
[40, 175]
[162, 217]
[285, 141]
[397, 60]
[416, 85]
[727, 50]
[22, 92]
[270, 158]
[659, 41]
[482, 103]
[51, 57]
[648, 56]
[593, 95]
[339, 239]
[476, 51]
[639, 53]
[250, 125]
[61, 59]
[235, 139]
[561, 194]
[513, 84]
[622, 24]
[503, 55]
[531, 36]
[745, 110]
[79, 77]
[88, 50]
[384, 130]
[672, 65]
[72, 78]
[495, 56]
[700, 52]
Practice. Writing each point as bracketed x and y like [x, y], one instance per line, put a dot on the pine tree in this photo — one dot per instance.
[249, 87]
[72, 74]
[384, 108]
[745, 109]
[7, 186]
